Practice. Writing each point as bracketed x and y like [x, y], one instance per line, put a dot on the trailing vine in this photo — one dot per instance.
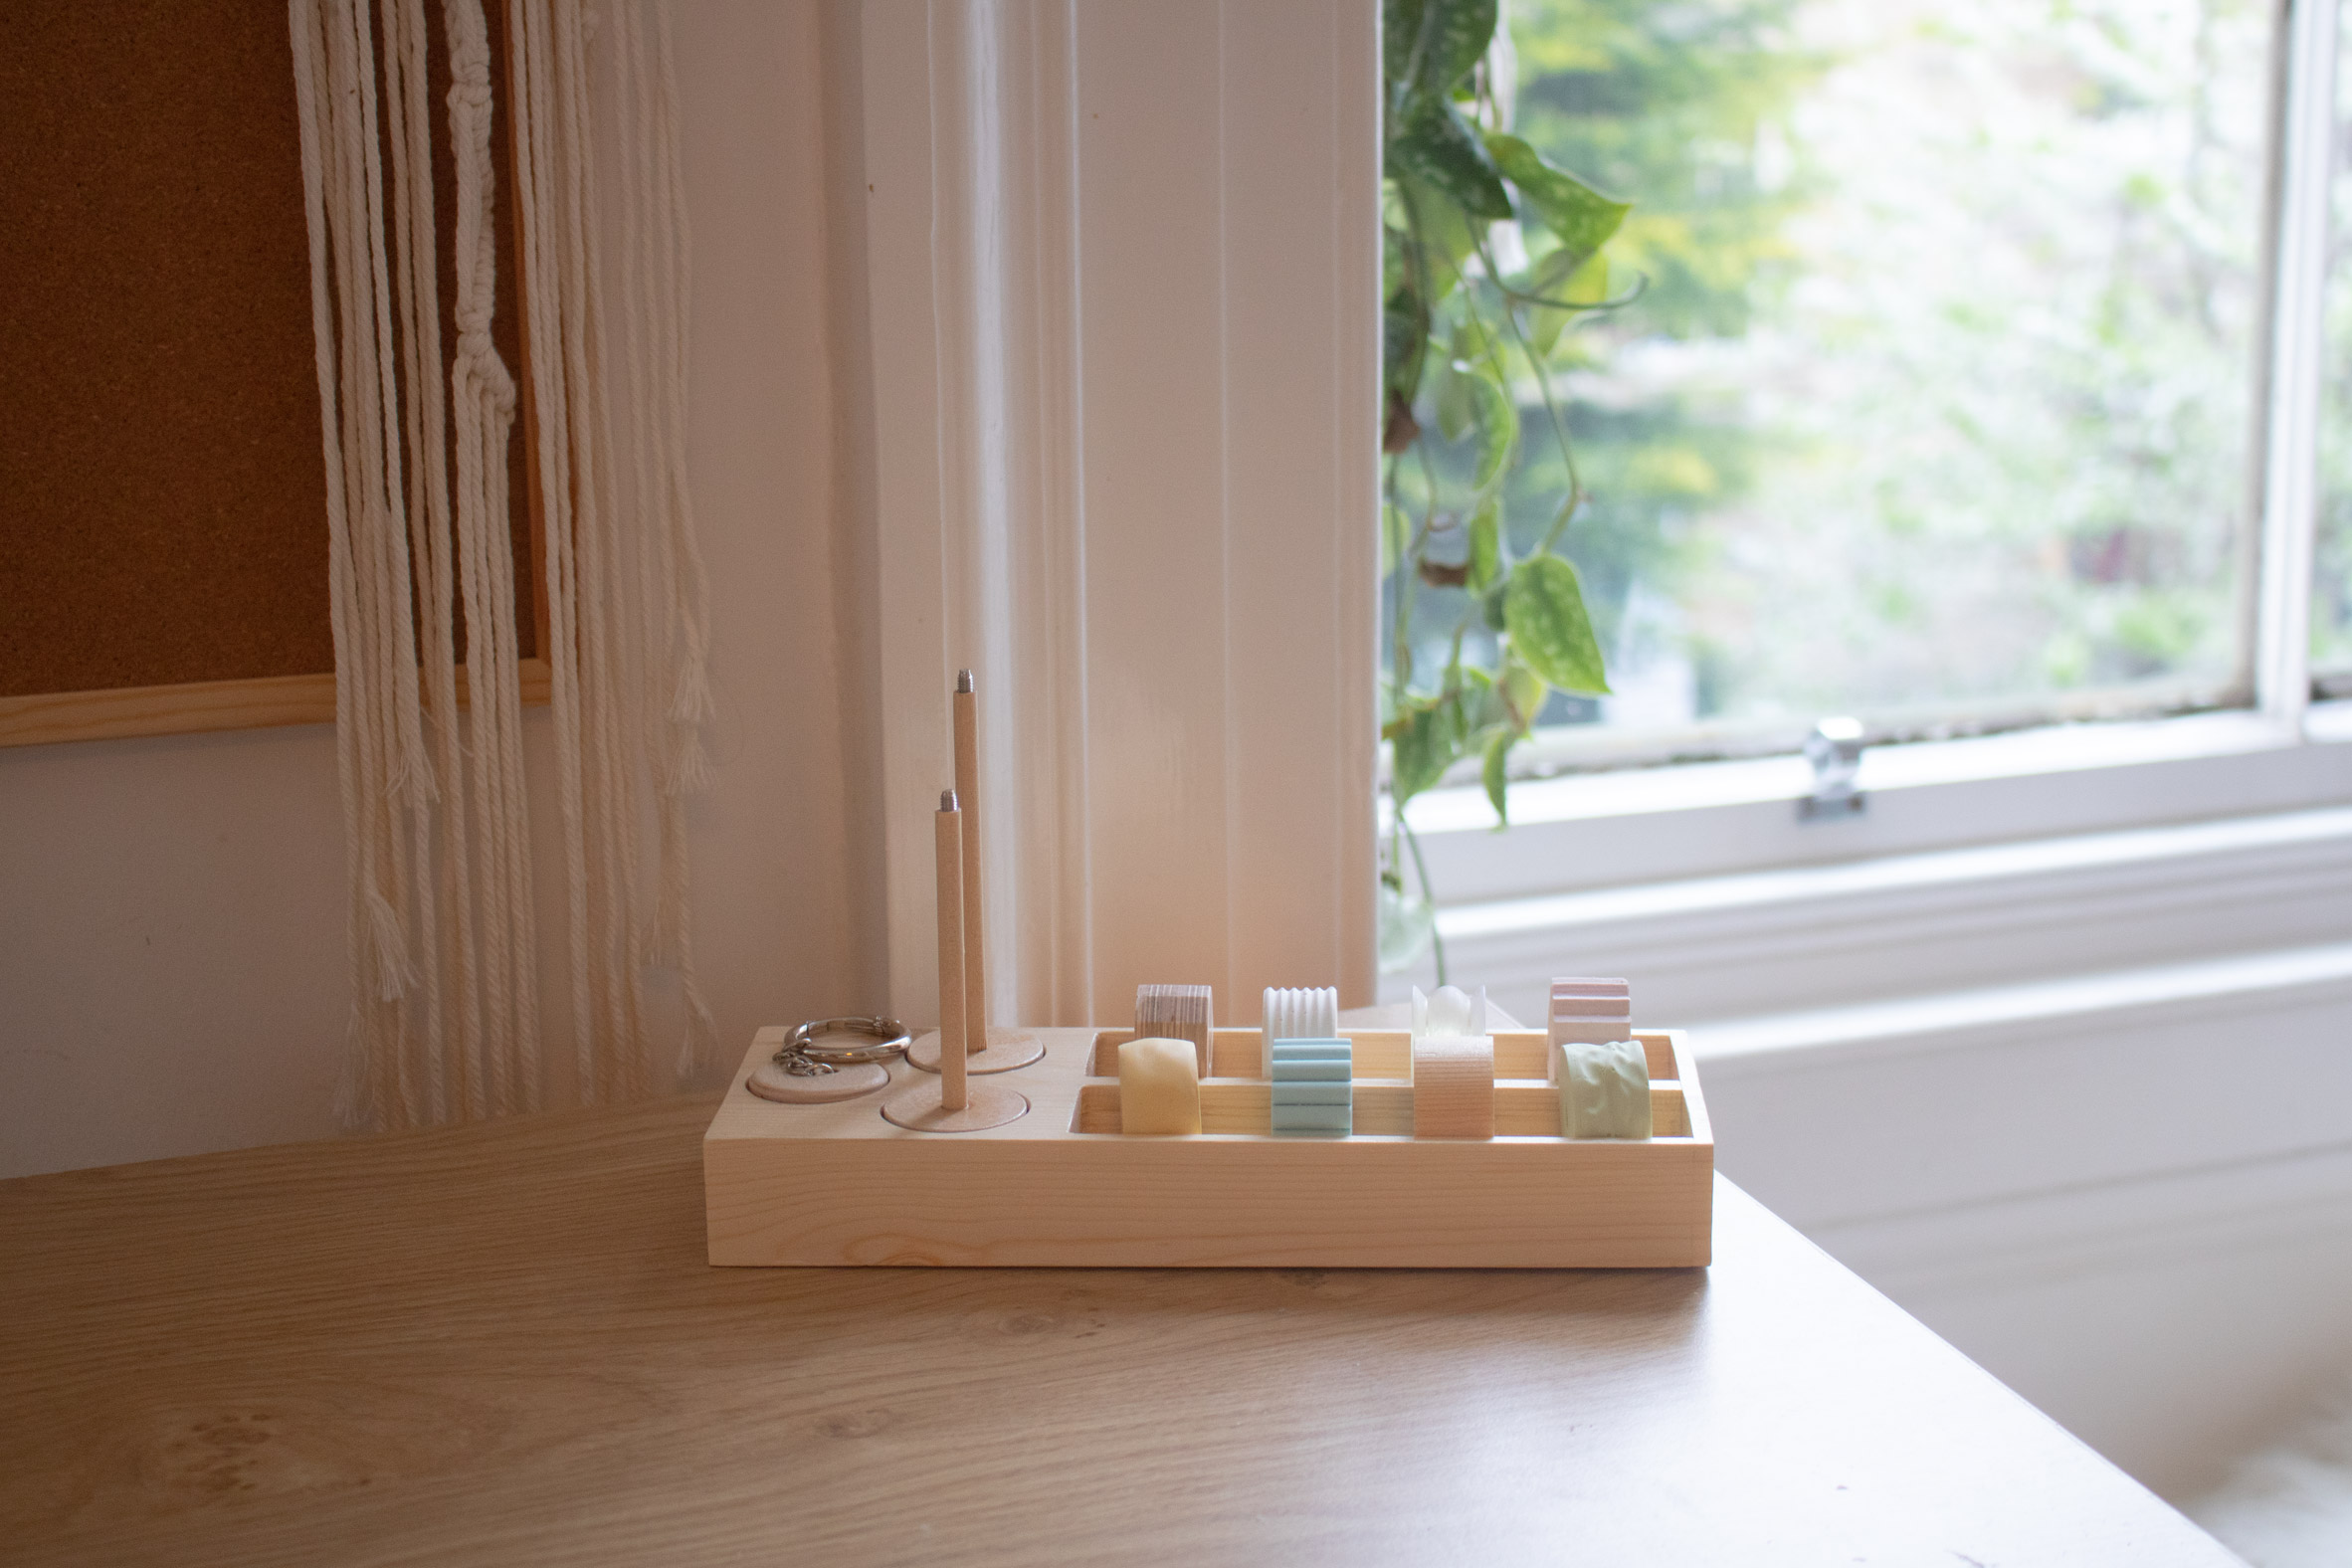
[1489, 253]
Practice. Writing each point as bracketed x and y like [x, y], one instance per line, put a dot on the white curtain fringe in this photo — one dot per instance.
[441, 923]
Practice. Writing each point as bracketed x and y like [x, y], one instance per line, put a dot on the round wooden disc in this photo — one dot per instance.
[771, 1082]
[985, 1105]
[1007, 1048]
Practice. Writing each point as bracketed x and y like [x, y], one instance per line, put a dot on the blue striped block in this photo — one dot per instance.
[1324, 1120]
[1313, 1091]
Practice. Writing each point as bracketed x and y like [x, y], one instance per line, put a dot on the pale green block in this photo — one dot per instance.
[1604, 1090]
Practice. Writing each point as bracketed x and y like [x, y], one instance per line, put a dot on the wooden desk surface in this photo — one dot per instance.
[501, 1344]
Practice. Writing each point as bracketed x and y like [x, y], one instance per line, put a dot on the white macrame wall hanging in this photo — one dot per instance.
[446, 1018]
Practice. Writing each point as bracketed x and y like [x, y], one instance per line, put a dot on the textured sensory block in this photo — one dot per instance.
[1177, 1012]
[1310, 1013]
[1327, 1121]
[1604, 1090]
[1313, 1091]
[1159, 1087]
[1588, 1011]
[1452, 1011]
[1453, 1086]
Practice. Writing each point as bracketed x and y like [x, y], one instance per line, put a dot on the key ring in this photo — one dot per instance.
[801, 1056]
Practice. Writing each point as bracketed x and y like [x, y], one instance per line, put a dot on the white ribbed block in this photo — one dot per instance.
[1309, 1013]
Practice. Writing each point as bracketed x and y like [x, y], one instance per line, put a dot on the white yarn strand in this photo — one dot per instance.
[484, 403]
[440, 880]
[527, 35]
[335, 47]
[312, 92]
[674, 613]
[607, 640]
[386, 595]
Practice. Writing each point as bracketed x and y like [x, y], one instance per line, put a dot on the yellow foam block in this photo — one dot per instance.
[1159, 1087]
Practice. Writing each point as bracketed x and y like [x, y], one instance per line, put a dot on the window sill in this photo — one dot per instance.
[1648, 826]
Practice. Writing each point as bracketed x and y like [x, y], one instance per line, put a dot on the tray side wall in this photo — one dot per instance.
[1209, 1203]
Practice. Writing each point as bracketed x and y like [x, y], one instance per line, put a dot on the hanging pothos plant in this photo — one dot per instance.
[1489, 251]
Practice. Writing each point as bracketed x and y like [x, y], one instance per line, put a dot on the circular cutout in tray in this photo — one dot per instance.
[771, 1082]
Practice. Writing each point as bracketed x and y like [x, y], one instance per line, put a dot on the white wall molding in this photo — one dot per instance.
[2084, 1004]
[2099, 1078]
[1125, 423]
[2044, 1237]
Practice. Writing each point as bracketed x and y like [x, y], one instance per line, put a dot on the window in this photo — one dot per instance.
[2331, 585]
[1968, 386]
[1942, 395]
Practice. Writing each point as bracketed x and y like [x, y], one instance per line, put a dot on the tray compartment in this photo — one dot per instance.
[1382, 1052]
[1239, 1108]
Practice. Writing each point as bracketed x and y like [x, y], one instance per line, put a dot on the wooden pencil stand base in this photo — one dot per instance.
[1007, 1049]
[920, 1107]
[838, 1184]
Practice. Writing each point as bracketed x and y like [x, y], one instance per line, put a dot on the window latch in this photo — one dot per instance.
[1834, 749]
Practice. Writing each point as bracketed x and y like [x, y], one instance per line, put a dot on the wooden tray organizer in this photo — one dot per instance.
[836, 1184]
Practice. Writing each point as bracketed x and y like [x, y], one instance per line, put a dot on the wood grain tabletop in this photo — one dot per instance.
[501, 1344]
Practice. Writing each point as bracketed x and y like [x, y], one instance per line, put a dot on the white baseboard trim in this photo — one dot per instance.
[2303, 1197]
[2061, 1125]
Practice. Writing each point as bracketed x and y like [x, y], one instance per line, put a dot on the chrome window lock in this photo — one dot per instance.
[1834, 749]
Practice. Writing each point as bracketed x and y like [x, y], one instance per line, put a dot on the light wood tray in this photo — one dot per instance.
[1062, 1186]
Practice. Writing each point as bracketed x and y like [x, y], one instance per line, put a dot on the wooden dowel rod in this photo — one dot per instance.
[967, 792]
[951, 953]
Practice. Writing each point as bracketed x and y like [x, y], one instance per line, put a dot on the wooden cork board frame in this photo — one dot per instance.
[164, 567]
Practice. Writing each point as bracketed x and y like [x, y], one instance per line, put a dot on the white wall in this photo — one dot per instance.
[172, 973]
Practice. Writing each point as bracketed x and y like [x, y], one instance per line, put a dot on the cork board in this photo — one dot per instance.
[160, 471]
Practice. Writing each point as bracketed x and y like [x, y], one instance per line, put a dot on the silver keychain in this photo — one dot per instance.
[802, 1056]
